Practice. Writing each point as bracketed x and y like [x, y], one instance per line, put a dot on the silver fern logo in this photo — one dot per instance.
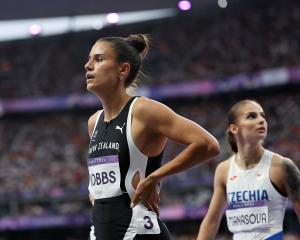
[94, 136]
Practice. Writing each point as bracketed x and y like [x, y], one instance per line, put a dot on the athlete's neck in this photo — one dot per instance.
[112, 106]
[249, 156]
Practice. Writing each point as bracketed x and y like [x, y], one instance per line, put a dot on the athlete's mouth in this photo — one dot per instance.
[89, 76]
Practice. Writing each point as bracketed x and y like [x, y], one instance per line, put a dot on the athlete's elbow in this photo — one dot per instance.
[206, 150]
[215, 148]
[212, 148]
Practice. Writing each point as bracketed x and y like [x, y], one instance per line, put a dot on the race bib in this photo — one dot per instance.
[247, 219]
[105, 177]
[148, 224]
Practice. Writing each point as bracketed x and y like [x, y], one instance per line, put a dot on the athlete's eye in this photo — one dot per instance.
[99, 59]
[251, 115]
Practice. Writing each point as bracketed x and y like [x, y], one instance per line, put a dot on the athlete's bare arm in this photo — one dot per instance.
[210, 224]
[292, 183]
[154, 123]
[158, 123]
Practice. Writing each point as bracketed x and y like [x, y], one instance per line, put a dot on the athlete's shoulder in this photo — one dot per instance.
[278, 160]
[92, 121]
[283, 163]
[281, 167]
[224, 165]
[222, 171]
[145, 107]
[144, 103]
[93, 117]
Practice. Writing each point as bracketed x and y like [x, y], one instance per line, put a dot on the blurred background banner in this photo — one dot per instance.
[241, 82]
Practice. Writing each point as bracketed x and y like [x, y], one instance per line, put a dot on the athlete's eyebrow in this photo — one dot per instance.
[99, 55]
[96, 55]
[251, 112]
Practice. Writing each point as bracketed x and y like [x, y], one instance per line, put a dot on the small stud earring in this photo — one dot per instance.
[121, 77]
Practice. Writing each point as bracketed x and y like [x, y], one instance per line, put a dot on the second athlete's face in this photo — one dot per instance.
[102, 68]
[251, 125]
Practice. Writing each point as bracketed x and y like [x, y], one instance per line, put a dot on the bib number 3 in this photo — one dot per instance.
[148, 224]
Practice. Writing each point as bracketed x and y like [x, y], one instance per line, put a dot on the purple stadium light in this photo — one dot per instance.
[184, 5]
[112, 17]
[35, 29]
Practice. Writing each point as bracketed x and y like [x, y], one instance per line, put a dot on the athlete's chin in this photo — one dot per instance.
[91, 87]
[95, 89]
[261, 137]
[262, 134]
[257, 138]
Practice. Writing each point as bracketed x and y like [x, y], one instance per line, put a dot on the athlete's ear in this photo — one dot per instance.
[124, 70]
[233, 129]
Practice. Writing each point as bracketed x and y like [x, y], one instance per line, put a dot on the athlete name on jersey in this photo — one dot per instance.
[102, 178]
[104, 174]
[248, 198]
[247, 218]
[104, 145]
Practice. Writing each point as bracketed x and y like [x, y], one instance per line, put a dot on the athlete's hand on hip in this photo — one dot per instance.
[147, 192]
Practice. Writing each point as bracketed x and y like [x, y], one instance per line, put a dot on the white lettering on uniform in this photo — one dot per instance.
[248, 196]
[108, 145]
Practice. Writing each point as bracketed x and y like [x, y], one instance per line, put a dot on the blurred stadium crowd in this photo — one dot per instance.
[188, 47]
[46, 156]
[43, 167]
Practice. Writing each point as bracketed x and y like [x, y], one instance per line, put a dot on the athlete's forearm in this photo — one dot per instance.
[208, 231]
[193, 154]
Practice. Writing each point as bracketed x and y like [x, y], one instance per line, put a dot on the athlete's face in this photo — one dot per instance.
[251, 125]
[102, 68]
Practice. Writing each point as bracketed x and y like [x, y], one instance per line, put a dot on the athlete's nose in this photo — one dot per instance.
[88, 66]
[262, 122]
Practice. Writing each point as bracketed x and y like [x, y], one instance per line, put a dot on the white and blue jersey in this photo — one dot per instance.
[255, 208]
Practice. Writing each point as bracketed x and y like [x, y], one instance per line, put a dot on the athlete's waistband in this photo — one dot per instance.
[123, 197]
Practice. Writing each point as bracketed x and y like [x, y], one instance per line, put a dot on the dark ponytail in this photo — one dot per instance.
[133, 50]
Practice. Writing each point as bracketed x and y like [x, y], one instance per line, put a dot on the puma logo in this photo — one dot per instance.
[120, 128]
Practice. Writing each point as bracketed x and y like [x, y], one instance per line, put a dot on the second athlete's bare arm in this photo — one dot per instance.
[211, 222]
